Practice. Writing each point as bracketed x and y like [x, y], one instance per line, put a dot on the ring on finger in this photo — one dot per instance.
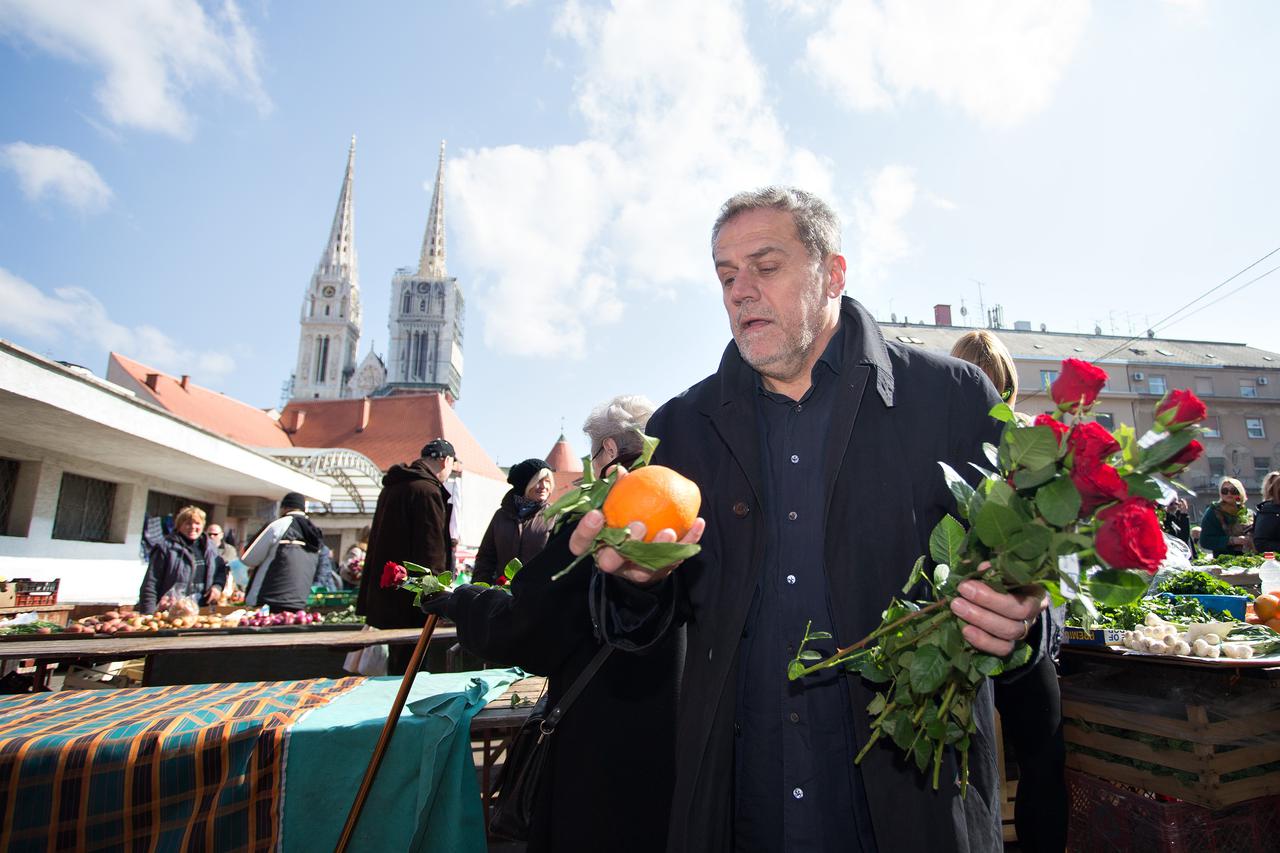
[1026, 629]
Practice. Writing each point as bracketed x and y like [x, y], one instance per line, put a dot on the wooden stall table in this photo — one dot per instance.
[234, 652]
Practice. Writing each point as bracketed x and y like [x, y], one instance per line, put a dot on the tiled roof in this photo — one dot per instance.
[386, 429]
[211, 410]
[565, 465]
[1055, 346]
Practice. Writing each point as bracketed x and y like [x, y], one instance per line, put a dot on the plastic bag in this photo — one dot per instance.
[178, 603]
[370, 660]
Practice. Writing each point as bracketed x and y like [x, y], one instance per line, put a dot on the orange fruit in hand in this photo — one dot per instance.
[655, 495]
[1267, 606]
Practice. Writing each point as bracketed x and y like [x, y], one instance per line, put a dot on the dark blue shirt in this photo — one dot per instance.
[796, 786]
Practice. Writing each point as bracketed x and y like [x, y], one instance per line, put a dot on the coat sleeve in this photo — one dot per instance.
[147, 592]
[1212, 536]
[219, 573]
[429, 528]
[487, 557]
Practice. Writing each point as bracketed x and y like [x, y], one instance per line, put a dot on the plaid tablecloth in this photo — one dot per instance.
[197, 767]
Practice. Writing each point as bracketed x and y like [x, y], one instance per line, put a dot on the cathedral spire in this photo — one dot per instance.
[431, 263]
[339, 256]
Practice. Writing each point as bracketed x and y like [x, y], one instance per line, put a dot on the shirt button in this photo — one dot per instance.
[791, 579]
[794, 459]
[799, 407]
[740, 509]
[798, 793]
[794, 717]
[791, 515]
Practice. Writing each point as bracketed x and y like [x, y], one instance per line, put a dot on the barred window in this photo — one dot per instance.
[8, 484]
[84, 509]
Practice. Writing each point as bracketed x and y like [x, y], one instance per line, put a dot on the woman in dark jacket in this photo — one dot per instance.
[518, 528]
[1227, 523]
[1266, 522]
[183, 560]
[599, 791]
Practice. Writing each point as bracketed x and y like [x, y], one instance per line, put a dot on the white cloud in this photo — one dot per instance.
[879, 238]
[676, 114]
[998, 62]
[151, 53]
[48, 170]
[73, 314]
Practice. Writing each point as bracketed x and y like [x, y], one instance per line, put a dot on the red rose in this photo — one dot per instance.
[1185, 457]
[1078, 383]
[1059, 428]
[1179, 409]
[393, 574]
[1090, 442]
[1129, 536]
[1098, 484]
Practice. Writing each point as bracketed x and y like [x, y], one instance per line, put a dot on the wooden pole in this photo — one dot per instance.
[388, 728]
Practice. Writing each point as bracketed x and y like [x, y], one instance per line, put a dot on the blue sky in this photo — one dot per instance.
[169, 170]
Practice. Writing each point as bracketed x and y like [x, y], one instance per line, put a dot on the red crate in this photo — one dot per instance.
[1108, 817]
[29, 593]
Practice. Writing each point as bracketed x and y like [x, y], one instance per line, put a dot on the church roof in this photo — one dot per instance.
[212, 410]
[339, 256]
[386, 429]
[431, 261]
[566, 466]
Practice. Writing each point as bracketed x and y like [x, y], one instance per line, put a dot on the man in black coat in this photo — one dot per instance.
[815, 446]
[411, 523]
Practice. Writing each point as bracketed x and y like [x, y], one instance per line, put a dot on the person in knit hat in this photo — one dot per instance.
[518, 528]
[286, 559]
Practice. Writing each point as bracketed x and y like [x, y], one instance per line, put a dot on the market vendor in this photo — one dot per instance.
[182, 564]
[285, 561]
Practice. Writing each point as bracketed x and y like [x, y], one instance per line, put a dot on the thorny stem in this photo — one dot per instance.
[841, 654]
[875, 735]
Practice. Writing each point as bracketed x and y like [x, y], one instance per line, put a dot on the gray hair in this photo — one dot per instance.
[623, 419]
[816, 223]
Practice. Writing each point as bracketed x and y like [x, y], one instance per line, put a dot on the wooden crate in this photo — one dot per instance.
[1219, 725]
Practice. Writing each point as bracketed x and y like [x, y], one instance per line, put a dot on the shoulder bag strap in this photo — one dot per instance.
[553, 717]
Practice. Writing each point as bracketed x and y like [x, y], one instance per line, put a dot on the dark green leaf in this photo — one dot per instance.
[1031, 542]
[1164, 449]
[961, 490]
[1114, 587]
[819, 635]
[903, 733]
[876, 705]
[993, 455]
[946, 541]
[415, 569]
[1018, 657]
[917, 575]
[1031, 447]
[810, 654]
[1017, 571]
[870, 669]
[656, 555]
[995, 524]
[922, 752]
[988, 665]
[928, 669]
[1142, 486]
[1001, 493]
[1002, 412]
[1029, 479]
[1058, 501]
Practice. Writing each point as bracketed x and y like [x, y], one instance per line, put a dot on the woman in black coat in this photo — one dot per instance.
[183, 563]
[1266, 521]
[518, 528]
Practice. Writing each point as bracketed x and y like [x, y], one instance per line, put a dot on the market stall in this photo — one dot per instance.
[242, 766]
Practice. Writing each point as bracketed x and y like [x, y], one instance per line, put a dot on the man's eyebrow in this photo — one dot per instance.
[754, 256]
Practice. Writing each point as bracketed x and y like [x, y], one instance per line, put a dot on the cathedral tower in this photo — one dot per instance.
[426, 317]
[330, 317]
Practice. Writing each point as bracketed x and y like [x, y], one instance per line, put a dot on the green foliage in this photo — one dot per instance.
[1116, 587]
[1198, 583]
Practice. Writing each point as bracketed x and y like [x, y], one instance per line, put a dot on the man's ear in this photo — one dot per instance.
[835, 269]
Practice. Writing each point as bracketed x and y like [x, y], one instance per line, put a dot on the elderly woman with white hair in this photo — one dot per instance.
[615, 430]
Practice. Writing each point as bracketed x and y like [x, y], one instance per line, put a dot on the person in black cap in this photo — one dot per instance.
[518, 528]
[286, 559]
[411, 523]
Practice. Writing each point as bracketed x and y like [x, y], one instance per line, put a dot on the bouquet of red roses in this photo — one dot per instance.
[1066, 505]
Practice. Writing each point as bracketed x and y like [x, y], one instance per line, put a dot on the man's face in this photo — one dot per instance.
[780, 301]
[215, 533]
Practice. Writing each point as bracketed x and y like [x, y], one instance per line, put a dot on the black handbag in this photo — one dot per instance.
[515, 790]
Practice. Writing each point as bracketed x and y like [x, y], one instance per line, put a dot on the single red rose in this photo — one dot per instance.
[393, 574]
[1129, 536]
[1090, 442]
[1098, 484]
[1179, 409]
[1078, 383]
[1193, 451]
[1059, 428]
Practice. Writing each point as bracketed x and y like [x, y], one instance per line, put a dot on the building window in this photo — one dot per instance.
[1217, 467]
[1105, 419]
[322, 358]
[1261, 466]
[1212, 428]
[1204, 386]
[84, 509]
[1157, 385]
[8, 486]
[404, 309]
[1248, 389]
[1253, 426]
[1048, 377]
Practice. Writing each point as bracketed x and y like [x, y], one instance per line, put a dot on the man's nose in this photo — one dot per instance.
[744, 287]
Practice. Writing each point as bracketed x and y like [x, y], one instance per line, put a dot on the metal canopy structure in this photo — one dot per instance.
[354, 480]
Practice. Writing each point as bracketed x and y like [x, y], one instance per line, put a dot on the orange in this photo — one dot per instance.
[655, 495]
[1273, 623]
[1267, 606]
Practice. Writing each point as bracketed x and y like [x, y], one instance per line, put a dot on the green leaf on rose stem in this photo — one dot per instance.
[961, 490]
[929, 668]
[648, 445]
[512, 568]
[922, 752]
[444, 578]
[946, 542]
[995, 524]
[1001, 493]
[1019, 657]
[1031, 541]
[810, 654]
[795, 670]
[1128, 441]
[1029, 479]
[954, 732]
[1163, 450]
[1116, 587]
[988, 665]
[1055, 592]
[1017, 571]
[415, 569]
[1032, 447]
[656, 555]
[876, 705]
[941, 573]
[917, 575]
[1002, 412]
[819, 635]
[903, 732]
[1142, 486]
[1058, 501]
[588, 475]
[993, 455]
[872, 671]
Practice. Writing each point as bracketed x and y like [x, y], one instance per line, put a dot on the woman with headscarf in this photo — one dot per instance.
[1227, 525]
[517, 528]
